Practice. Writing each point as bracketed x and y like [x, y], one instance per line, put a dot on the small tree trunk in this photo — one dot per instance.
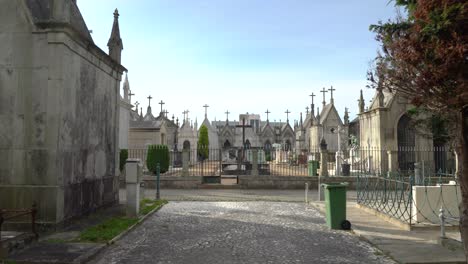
[463, 177]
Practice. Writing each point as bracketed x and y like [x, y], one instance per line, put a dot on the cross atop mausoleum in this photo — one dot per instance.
[136, 106]
[324, 91]
[149, 100]
[206, 110]
[268, 113]
[161, 103]
[130, 96]
[331, 94]
[287, 115]
[312, 104]
[166, 112]
[227, 115]
[307, 110]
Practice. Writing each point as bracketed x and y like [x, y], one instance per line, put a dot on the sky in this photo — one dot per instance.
[242, 55]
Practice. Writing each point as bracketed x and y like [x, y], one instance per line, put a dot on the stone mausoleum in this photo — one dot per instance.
[59, 110]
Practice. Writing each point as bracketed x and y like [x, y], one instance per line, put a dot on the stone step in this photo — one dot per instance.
[12, 242]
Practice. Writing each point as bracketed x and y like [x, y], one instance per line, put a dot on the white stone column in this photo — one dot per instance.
[133, 174]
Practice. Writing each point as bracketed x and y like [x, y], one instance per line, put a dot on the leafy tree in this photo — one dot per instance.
[424, 57]
[157, 154]
[203, 143]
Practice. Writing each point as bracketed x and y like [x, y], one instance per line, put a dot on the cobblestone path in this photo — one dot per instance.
[238, 232]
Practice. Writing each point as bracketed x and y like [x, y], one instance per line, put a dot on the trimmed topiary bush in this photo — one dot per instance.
[203, 143]
[123, 158]
[157, 154]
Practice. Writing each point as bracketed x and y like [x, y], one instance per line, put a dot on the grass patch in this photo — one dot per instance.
[107, 230]
[147, 205]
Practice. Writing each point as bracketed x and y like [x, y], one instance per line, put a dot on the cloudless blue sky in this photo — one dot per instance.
[242, 55]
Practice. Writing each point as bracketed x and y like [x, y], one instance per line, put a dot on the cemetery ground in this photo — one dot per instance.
[244, 226]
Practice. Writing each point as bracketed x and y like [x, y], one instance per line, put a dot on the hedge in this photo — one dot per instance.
[157, 154]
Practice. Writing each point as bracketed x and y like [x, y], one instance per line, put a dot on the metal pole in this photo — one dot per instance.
[442, 223]
[158, 195]
[306, 192]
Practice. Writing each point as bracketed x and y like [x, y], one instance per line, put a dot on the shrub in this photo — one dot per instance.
[157, 154]
[123, 158]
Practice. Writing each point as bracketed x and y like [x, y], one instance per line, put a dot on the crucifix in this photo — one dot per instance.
[243, 136]
[324, 91]
[243, 126]
[206, 110]
[227, 115]
[287, 115]
[161, 103]
[130, 96]
[149, 100]
[331, 94]
[267, 112]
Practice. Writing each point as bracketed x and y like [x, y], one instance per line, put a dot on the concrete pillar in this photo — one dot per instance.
[133, 175]
[338, 158]
[185, 162]
[254, 162]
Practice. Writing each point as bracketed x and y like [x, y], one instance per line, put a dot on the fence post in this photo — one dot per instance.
[306, 193]
[158, 195]
[442, 223]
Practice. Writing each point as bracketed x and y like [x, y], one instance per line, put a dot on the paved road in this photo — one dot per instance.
[238, 232]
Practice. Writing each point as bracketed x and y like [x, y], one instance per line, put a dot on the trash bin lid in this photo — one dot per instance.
[331, 185]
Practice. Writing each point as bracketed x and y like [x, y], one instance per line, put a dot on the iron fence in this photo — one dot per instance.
[410, 184]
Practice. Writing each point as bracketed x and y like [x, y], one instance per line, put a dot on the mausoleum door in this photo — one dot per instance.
[406, 144]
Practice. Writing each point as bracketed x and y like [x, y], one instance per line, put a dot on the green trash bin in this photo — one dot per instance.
[313, 166]
[335, 205]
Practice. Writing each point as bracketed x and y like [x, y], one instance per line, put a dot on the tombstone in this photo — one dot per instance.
[323, 159]
[133, 175]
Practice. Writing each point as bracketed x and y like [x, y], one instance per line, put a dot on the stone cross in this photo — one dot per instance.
[287, 115]
[166, 112]
[130, 96]
[136, 106]
[184, 112]
[206, 110]
[227, 114]
[331, 94]
[324, 91]
[243, 130]
[312, 95]
[149, 100]
[307, 110]
[267, 112]
[161, 103]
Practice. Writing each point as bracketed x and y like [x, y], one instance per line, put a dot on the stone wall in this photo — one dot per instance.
[58, 112]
